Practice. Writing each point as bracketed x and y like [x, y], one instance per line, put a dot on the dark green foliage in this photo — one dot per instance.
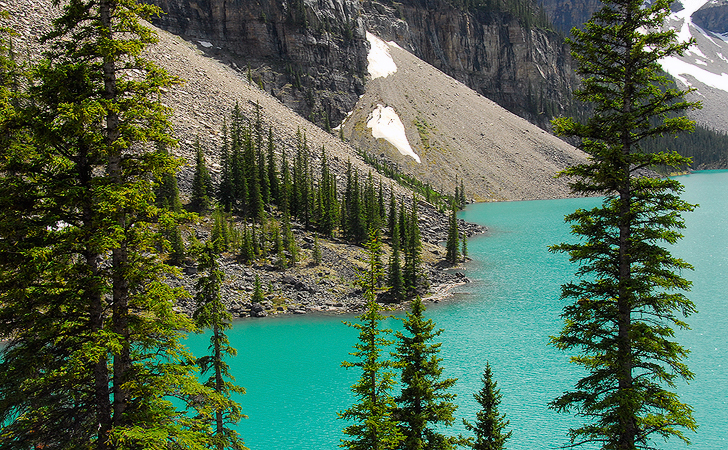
[257, 296]
[201, 183]
[452, 246]
[166, 191]
[489, 427]
[395, 280]
[630, 290]
[93, 353]
[440, 200]
[372, 423]
[316, 254]
[412, 246]
[218, 410]
[424, 405]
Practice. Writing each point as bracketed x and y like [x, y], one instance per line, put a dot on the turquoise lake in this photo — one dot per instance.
[291, 366]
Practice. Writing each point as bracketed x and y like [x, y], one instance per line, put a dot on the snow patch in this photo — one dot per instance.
[380, 61]
[386, 124]
[678, 69]
[205, 44]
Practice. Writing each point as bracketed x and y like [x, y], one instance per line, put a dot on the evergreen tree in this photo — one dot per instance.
[257, 296]
[201, 182]
[413, 252]
[273, 182]
[226, 188]
[630, 290]
[317, 256]
[374, 426]
[210, 312]
[166, 191]
[95, 352]
[424, 402]
[452, 255]
[490, 425]
[395, 280]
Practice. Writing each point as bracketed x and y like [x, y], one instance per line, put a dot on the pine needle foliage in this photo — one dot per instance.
[424, 404]
[373, 425]
[218, 410]
[489, 427]
[630, 292]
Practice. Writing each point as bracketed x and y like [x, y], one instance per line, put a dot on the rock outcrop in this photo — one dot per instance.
[713, 16]
[524, 69]
[311, 54]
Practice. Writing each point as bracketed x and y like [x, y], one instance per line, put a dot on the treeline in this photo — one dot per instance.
[259, 194]
[707, 148]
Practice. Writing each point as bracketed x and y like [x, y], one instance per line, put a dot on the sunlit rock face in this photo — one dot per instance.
[312, 54]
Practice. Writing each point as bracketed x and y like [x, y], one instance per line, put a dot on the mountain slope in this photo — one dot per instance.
[704, 66]
[456, 133]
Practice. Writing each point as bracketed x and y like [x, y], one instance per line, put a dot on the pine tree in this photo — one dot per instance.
[630, 290]
[273, 182]
[374, 426]
[395, 279]
[201, 182]
[424, 403]
[257, 296]
[489, 427]
[95, 353]
[166, 191]
[210, 312]
[412, 251]
[226, 189]
[453, 255]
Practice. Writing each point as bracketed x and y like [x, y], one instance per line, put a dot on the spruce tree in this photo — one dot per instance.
[630, 291]
[424, 403]
[257, 296]
[395, 279]
[374, 426]
[489, 427]
[453, 254]
[201, 183]
[211, 313]
[95, 354]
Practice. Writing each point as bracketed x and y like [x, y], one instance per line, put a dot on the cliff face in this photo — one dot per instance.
[567, 14]
[713, 16]
[311, 54]
[526, 70]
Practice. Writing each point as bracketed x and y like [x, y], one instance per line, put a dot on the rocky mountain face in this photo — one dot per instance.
[712, 16]
[567, 14]
[311, 54]
[524, 69]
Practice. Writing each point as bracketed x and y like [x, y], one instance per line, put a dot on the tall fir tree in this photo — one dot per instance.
[374, 426]
[218, 409]
[93, 327]
[630, 292]
[452, 254]
[490, 425]
[201, 197]
[395, 279]
[424, 404]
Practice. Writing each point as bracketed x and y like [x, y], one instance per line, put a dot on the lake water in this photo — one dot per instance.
[291, 366]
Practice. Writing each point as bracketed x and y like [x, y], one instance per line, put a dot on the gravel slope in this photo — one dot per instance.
[458, 132]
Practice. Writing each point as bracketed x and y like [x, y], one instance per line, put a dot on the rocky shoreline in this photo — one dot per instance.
[329, 287]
